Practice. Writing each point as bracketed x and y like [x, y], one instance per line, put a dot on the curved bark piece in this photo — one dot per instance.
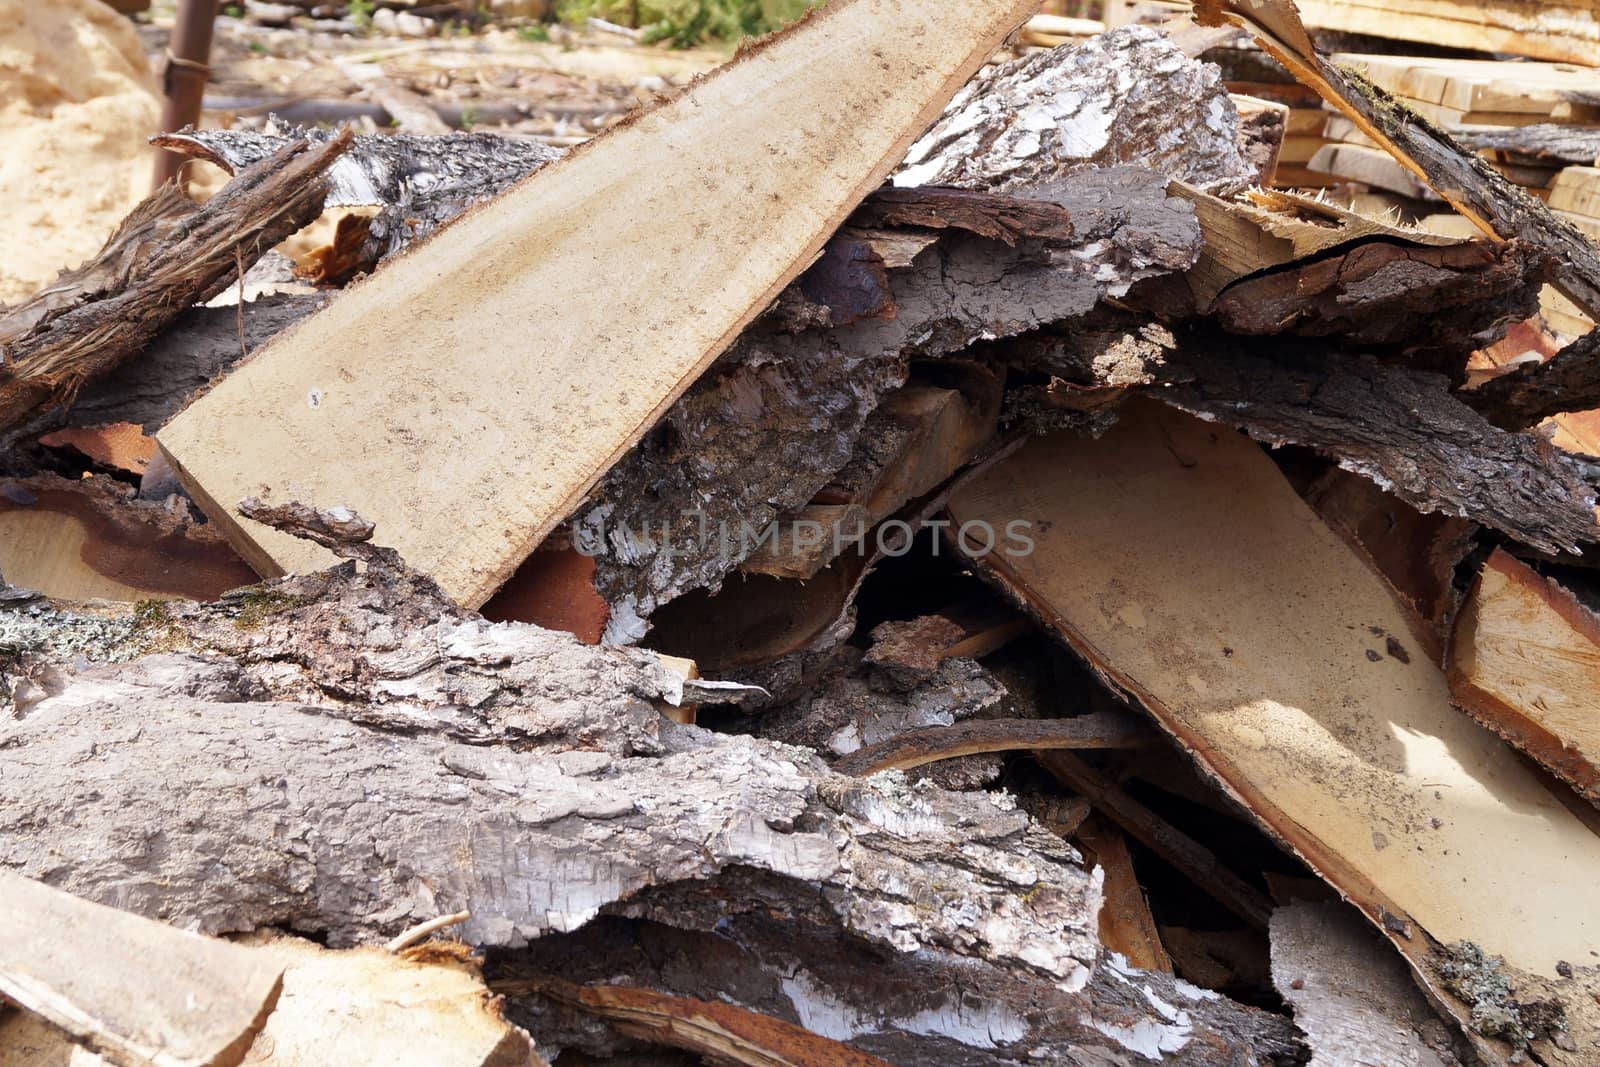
[917, 748]
[167, 255]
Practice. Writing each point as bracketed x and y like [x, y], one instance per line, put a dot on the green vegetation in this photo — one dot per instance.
[361, 12]
[685, 23]
[258, 604]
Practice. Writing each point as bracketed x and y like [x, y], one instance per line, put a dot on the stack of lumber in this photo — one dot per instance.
[1536, 123]
[1532, 117]
[1565, 31]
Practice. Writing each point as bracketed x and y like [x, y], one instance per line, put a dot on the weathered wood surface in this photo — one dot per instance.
[918, 747]
[1440, 300]
[1353, 999]
[1399, 427]
[419, 182]
[1551, 141]
[802, 128]
[785, 410]
[135, 991]
[1466, 180]
[1525, 662]
[1113, 100]
[167, 255]
[363, 756]
[1166, 553]
[771, 953]
[1568, 381]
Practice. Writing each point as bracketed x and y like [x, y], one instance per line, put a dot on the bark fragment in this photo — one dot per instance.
[1119, 98]
[1400, 428]
[167, 255]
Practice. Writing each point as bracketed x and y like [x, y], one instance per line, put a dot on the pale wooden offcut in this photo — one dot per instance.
[1178, 558]
[468, 396]
[199, 1001]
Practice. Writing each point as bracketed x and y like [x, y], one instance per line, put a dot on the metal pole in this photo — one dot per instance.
[184, 79]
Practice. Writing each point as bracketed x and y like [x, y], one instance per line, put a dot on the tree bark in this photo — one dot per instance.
[1398, 427]
[358, 755]
[166, 256]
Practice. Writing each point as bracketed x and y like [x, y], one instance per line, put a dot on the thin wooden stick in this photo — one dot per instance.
[1198, 863]
[422, 931]
[916, 748]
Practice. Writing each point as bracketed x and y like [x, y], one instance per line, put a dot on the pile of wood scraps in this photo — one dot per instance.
[1565, 31]
[887, 556]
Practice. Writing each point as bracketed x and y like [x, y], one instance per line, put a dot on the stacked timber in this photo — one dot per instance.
[1567, 32]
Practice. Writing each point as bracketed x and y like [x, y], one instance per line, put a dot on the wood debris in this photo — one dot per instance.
[938, 543]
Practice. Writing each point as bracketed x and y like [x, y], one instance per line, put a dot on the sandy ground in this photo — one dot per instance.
[77, 100]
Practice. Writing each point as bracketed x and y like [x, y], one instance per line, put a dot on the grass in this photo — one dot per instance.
[685, 23]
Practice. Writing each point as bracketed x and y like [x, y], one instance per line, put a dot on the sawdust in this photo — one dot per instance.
[77, 101]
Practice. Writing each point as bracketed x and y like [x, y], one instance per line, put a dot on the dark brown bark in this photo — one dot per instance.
[1569, 381]
[1399, 427]
[1437, 299]
[168, 255]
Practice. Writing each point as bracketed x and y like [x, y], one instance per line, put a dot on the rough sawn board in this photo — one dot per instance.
[467, 396]
[1176, 557]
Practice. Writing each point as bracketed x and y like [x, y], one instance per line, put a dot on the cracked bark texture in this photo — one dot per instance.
[1398, 427]
[358, 755]
[782, 411]
[167, 255]
[770, 950]
[1128, 96]
[1443, 302]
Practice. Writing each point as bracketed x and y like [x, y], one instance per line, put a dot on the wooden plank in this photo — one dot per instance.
[1370, 166]
[1167, 552]
[1577, 189]
[469, 395]
[199, 1003]
[1450, 32]
[1126, 925]
[1478, 84]
[1525, 662]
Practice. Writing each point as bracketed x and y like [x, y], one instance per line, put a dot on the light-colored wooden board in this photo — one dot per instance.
[1456, 32]
[1525, 661]
[131, 989]
[467, 396]
[1577, 189]
[1369, 166]
[1478, 84]
[1176, 557]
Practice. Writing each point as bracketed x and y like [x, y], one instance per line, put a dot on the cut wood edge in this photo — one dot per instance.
[972, 33]
[1426, 953]
[135, 991]
[1525, 662]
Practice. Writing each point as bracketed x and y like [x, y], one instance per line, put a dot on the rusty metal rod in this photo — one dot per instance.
[184, 78]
